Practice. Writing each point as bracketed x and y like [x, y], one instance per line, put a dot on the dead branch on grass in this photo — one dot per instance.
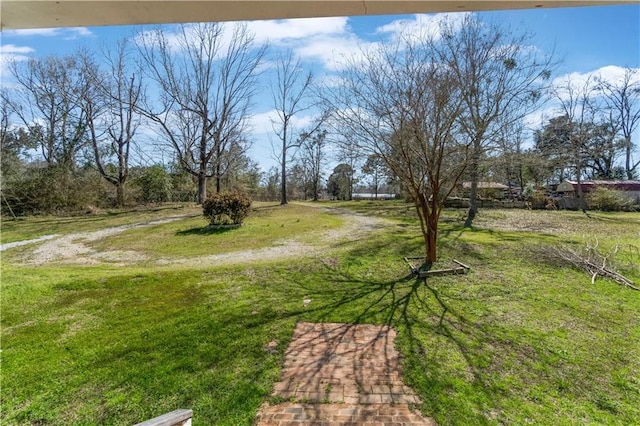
[590, 260]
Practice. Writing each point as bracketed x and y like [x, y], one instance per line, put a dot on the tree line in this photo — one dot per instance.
[421, 113]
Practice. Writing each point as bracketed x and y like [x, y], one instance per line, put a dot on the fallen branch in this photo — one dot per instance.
[589, 260]
[417, 268]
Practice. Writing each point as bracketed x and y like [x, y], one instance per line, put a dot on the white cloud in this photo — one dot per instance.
[334, 52]
[12, 49]
[291, 30]
[67, 33]
[423, 26]
[44, 32]
[539, 118]
[325, 40]
[615, 74]
[180, 37]
[578, 82]
[329, 41]
[261, 123]
[609, 73]
[11, 53]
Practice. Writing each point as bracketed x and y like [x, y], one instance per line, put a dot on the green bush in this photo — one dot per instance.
[229, 207]
[50, 190]
[539, 200]
[608, 200]
[182, 187]
[154, 184]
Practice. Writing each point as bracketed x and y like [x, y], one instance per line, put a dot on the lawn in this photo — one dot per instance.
[516, 341]
[24, 228]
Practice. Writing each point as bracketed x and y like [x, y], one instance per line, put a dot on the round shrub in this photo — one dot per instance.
[225, 208]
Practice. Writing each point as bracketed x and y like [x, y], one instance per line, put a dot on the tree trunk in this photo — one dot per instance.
[429, 227]
[120, 194]
[283, 187]
[218, 185]
[628, 167]
[202, 188]
[474, 175]
[580, 195]
[473, 197]
[315, 190]
[375, 186]
[431, 238]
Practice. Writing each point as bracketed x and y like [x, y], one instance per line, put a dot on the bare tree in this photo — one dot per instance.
[377, 169]
[206, 76]
[5, 114]
[349, 154]
[623, 100]
[313, 159]
[502, 78]
[112, 114]
[510, 161]
[400, 104]
[577, 104]
[48, 101]
[290, 92]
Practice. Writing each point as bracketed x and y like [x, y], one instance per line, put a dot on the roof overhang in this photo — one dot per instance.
[19, 14]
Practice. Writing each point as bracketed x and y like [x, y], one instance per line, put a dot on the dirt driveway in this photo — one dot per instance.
[72, 248]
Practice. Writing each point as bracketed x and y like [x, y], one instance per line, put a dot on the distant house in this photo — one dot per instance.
[487, 189]
[630, 188]
[369, 196]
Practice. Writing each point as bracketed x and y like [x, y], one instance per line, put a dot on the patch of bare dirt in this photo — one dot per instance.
[356, 227]
[7, 246]
[71, 248]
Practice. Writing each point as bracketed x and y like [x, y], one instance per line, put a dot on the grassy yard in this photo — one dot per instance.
[37, 226]
[516, 341]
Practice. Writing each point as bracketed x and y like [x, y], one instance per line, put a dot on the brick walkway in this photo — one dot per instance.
[342, 374]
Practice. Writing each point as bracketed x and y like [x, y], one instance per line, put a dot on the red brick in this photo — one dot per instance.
[355, 363]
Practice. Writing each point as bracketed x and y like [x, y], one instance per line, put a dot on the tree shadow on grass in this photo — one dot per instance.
[206, 230]
[452, 359]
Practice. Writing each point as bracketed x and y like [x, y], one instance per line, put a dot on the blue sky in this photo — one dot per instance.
[588, 39]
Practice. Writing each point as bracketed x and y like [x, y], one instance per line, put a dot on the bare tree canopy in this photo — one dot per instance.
[48, 101]
[206, 75]
[112, 117]
[313, 160]
[399, 104]
[623, 101]
[503, 79]
[290, 92]
[429, 104]
[577, 105]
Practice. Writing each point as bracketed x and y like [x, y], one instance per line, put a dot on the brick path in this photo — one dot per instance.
[342, 374]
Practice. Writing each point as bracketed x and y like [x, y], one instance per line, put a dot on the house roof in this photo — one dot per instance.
[486, 185]
[620, 185]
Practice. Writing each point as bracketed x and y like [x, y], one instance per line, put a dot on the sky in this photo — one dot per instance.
[596, 40]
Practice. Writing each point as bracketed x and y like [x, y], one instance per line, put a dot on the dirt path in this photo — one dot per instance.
[7, 246]
[71, 248]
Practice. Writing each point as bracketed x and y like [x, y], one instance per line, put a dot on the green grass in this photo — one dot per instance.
[516, 341]
[266, 226]
[25, 228]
